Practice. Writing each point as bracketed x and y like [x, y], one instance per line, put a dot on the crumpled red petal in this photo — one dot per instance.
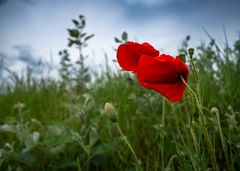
[162, 74]
[128, 54]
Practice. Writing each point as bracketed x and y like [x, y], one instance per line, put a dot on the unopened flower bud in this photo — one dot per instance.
[182, 57]
[191, 51]
[111, 112]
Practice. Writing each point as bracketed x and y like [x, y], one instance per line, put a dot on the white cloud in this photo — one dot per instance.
[44, 26]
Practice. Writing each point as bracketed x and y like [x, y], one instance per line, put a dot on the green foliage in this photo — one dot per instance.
[66, 68]
[73, 33]
[77, 74]
[77, 36]
[47, 126]
[123, 39]
[182, 57]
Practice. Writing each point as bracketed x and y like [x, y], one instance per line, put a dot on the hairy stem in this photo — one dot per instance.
[223, 141]
[163, 123]
[181, 138]
[205, 132]
[128, 144]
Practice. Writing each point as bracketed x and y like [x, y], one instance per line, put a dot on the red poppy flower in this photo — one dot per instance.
[129, 54]
[162, 74]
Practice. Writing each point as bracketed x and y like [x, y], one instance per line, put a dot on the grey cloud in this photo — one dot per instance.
[27, 56]
[6, 61]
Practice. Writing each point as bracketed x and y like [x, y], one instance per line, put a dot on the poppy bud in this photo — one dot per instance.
[111, 112]
[191, 51]
[182, 57]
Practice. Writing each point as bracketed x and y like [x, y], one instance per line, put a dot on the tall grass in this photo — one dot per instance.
[45, 126]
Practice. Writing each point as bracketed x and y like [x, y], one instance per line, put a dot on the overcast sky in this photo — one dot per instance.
[34, 29]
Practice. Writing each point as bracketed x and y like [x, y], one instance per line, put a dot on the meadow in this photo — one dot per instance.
[49, 124]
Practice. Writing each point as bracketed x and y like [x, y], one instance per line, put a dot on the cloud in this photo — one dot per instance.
[6, 63]
[164, 23]
[6, 60]
[26, 55]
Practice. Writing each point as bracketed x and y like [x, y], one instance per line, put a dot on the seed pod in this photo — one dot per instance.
[191, 51]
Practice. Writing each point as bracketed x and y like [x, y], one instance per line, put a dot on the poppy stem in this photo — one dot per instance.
[162, 138]
[189, 88]
[196, 77]
[194, 68]
[128, 144]
[181, 138]
[205, 132]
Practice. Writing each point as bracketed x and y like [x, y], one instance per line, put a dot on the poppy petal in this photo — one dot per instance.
[129, 54]
[162, 74]
[182, 68]
[160, 69]
[173, 92]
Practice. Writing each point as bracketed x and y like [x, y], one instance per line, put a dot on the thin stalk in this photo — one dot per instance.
[196, 145]
[188, 114]
[128, 144]
[171, 160]
[223, 142]
[181, 138]
[88, 162]
[199, 105]
[163, 123]
[194, 69]
[196, 77]
[78, 164]
[205, 132]
[20, 114]
[191, 129]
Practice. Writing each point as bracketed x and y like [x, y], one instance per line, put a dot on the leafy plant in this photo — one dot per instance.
[79, 38]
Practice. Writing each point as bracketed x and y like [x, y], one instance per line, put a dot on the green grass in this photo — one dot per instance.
[64, 129]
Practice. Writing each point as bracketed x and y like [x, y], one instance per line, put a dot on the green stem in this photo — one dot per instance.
[171, 160]
[162, 144]
[205, 132]
[194, 68]
[181, 138]
[223, 141]
[196, 77]
[128, 144]
[78, 164]
[189, 88]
